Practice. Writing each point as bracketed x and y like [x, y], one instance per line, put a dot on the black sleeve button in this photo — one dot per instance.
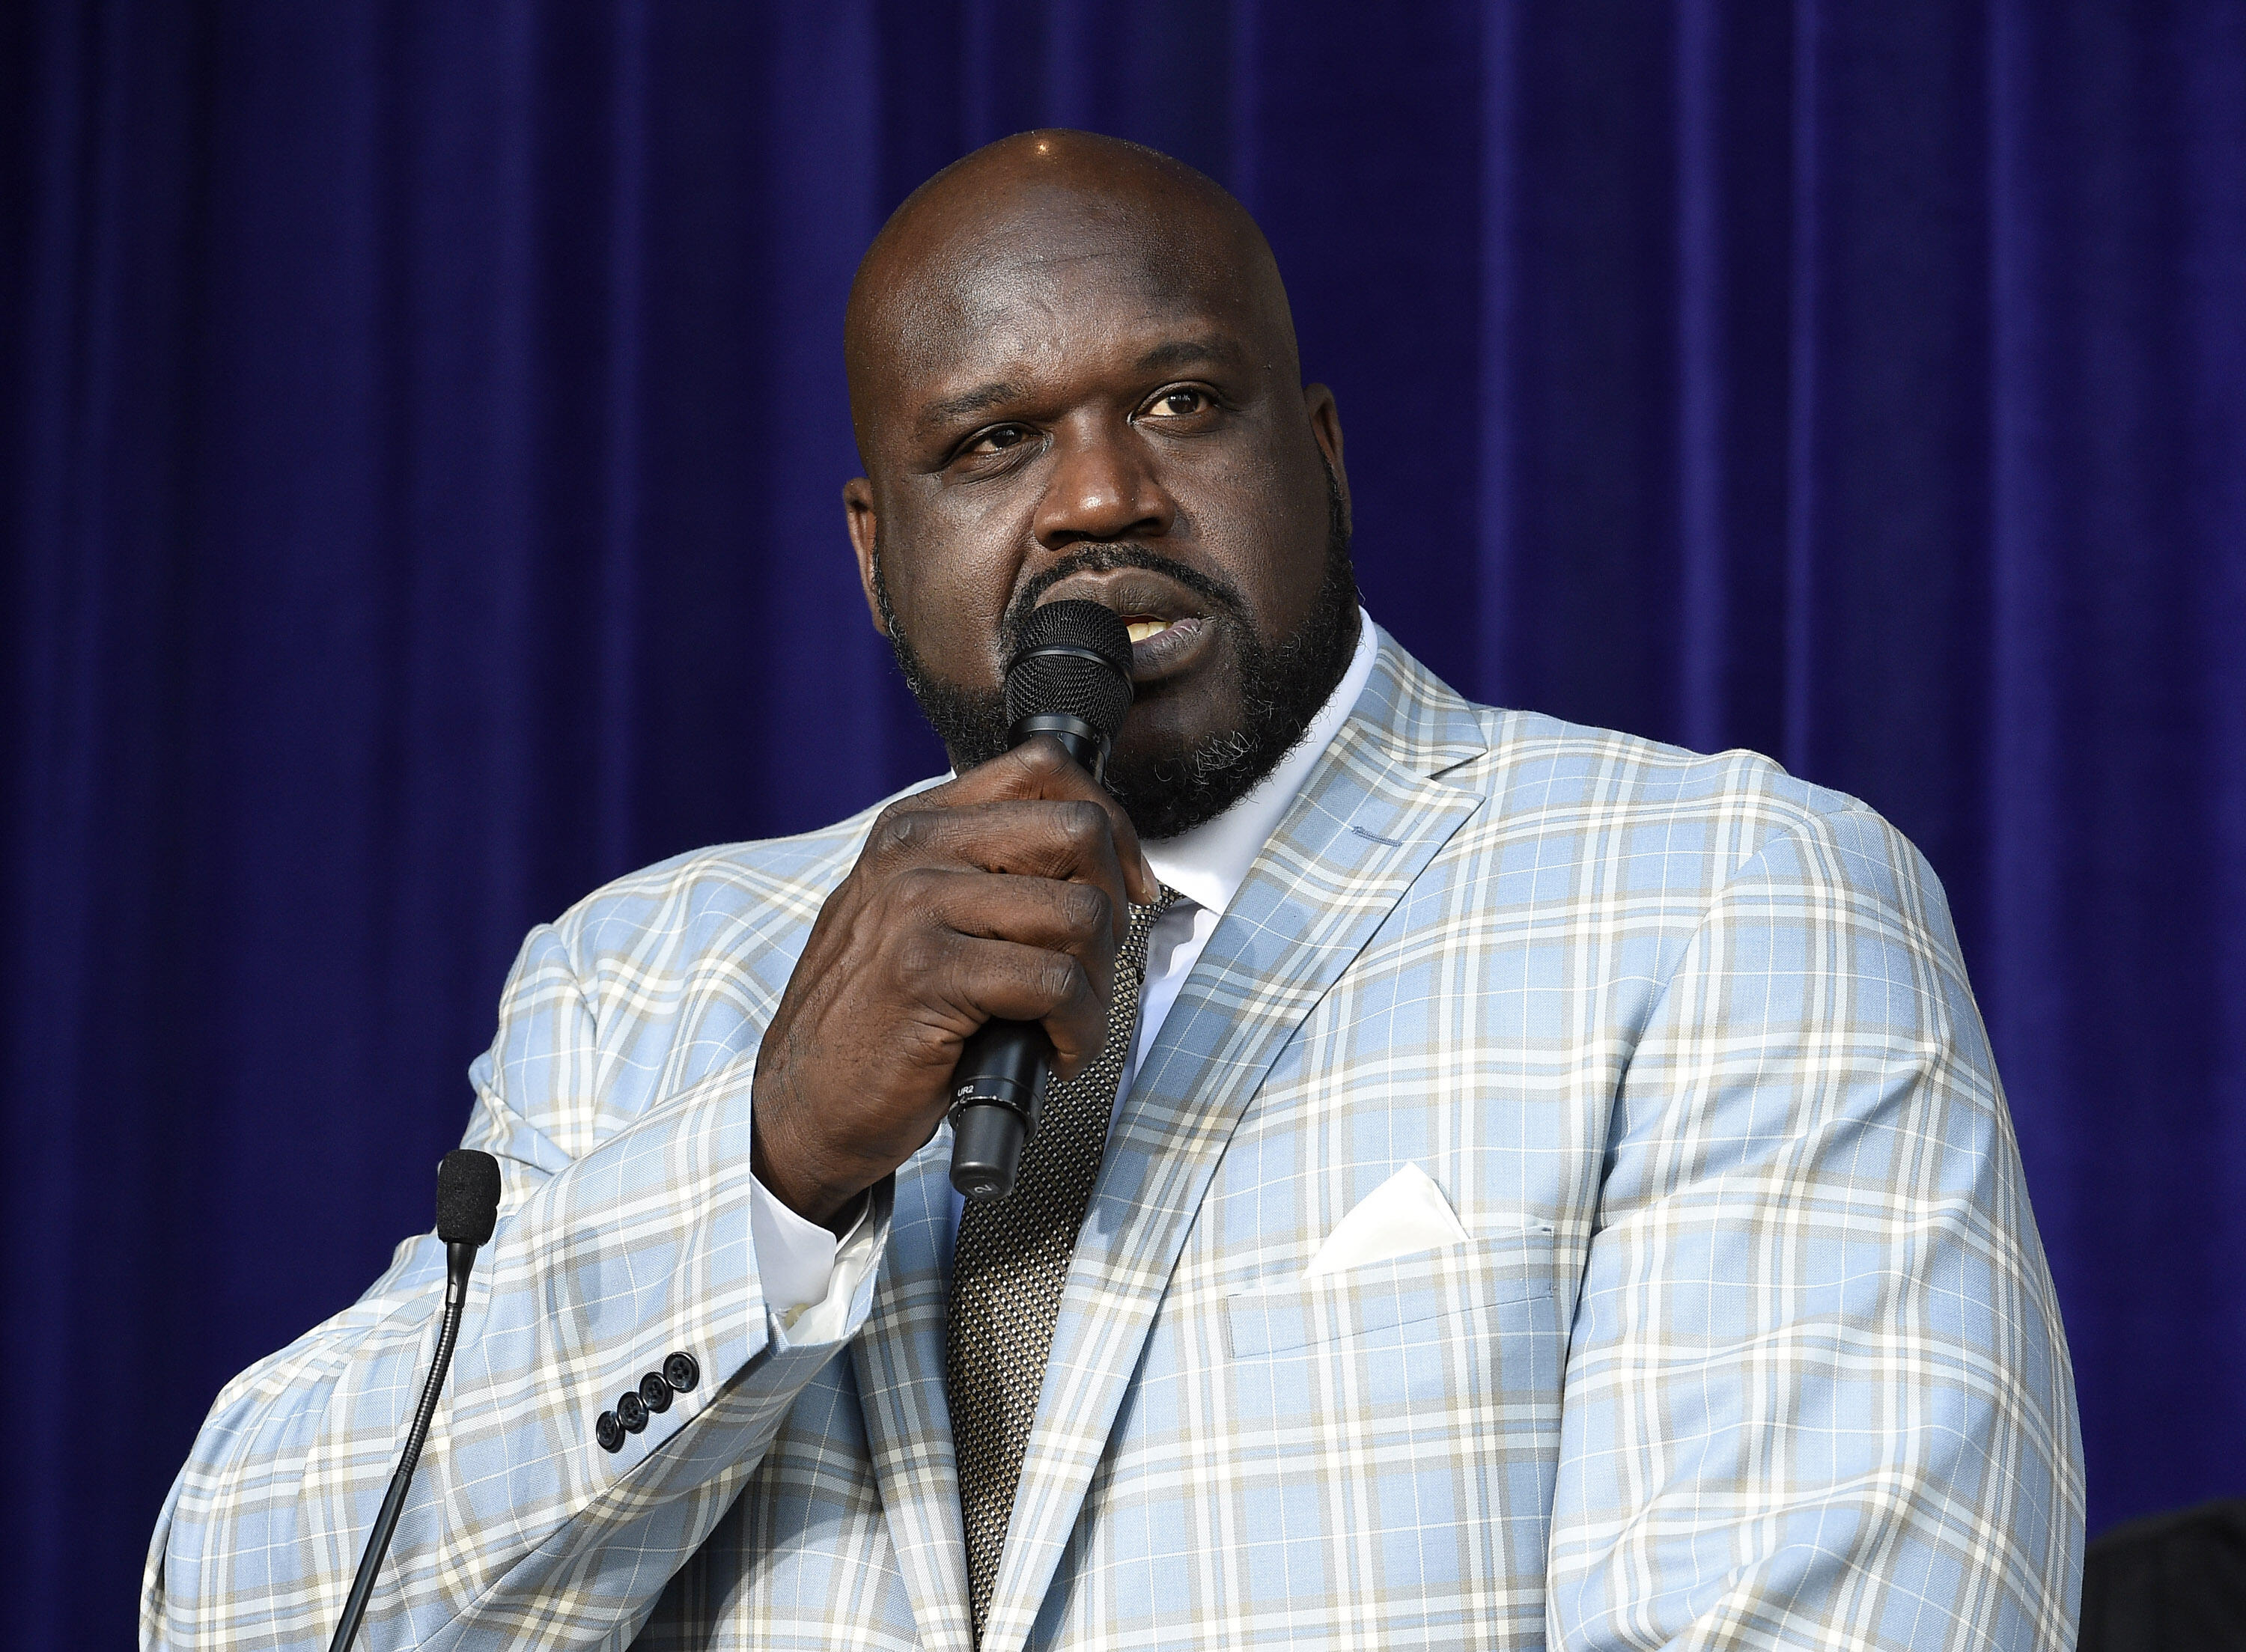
[654, 1392]
[681, 1371]
[609, 1432]
[629, 1411]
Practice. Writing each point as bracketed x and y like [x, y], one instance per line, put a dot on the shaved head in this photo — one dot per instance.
[1049, 200]
[1074, 373]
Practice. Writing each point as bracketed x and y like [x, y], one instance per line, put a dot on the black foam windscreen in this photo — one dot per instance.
[1071, 658]
[467, 1196]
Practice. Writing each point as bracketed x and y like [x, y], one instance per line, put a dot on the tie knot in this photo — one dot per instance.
[1132, 954]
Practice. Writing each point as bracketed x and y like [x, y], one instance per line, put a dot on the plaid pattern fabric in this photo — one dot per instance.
[1751, 1343]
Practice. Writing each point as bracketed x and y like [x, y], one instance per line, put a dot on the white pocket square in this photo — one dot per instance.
[1406, 1214]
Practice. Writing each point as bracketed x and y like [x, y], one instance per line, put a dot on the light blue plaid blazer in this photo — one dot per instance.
[1750, 1344]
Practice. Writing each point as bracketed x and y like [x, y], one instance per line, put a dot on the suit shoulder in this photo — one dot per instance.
[1532, 755]
[1534, 767]
[1578, 793]
[1582, 808]
[1540, 771]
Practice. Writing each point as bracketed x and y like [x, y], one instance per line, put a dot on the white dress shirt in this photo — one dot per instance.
[809, 1275]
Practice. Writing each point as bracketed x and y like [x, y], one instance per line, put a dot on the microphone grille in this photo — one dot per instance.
[467, 1196]
[1072, 657]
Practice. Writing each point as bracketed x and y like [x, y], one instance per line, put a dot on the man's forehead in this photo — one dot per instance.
[1041, 280]
[1055, 248]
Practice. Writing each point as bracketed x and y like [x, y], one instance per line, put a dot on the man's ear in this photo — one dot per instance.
[858, 515]
[1325, 431]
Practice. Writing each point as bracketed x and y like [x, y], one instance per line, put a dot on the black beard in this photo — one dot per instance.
[1281, 687]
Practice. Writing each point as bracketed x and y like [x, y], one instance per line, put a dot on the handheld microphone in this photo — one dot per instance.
[1069, 677]
[467, 1209]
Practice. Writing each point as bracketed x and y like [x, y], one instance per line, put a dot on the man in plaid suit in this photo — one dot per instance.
[1558, 1192]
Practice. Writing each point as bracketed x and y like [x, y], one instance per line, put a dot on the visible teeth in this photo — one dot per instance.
[1141, 629]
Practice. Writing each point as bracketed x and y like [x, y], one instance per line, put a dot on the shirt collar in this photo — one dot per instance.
[1208, 863]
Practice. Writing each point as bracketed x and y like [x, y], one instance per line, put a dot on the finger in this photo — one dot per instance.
[970, 981]
[1068, 840]
[1042, 768]
[1073, 917]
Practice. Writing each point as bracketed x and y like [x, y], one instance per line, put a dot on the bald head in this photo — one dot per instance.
[1000, 229]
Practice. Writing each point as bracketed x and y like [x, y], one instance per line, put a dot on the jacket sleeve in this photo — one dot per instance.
[624, 1237]
[1817, 1391]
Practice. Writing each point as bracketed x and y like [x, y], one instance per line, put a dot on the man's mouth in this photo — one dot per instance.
[1160, 645]
[1169, 629]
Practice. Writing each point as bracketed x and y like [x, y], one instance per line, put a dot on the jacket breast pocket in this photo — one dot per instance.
[1417, 1343]
[1400, 1300]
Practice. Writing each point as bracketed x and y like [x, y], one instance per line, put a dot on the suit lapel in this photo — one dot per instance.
[1365, 825]
[898, 1358]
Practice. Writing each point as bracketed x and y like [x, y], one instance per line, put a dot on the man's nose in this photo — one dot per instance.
[1102, 487]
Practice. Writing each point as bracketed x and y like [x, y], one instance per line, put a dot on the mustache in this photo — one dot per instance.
[1223, 598]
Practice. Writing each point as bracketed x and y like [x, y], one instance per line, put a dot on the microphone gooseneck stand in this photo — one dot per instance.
[467, 1209]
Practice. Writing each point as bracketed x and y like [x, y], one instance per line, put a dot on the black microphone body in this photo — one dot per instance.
[467, 1209]
[1069, 679]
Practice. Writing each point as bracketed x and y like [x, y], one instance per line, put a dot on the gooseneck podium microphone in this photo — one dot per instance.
[1069, 677]
[467, 1208]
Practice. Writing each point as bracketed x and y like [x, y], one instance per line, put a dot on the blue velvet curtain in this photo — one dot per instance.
[420, 432]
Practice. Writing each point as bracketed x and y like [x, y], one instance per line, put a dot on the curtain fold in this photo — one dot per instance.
[421, 433]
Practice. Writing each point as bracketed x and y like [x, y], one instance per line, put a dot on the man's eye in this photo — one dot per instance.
[997, 440]
[1179, 403]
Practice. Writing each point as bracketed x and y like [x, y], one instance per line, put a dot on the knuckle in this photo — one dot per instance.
[900, 830]
[920, 958]
[1085, 908]
[916, 887]
[1063, 979]
[1084, 824]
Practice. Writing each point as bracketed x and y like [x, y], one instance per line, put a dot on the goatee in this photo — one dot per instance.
[1282, 686]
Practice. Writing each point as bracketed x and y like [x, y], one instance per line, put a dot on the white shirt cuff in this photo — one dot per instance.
[809, 1275]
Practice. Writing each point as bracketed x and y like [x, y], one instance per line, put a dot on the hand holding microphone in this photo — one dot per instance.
[1069, 680]
[997, 898]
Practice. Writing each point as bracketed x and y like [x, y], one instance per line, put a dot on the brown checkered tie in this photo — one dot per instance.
[1008, 1267]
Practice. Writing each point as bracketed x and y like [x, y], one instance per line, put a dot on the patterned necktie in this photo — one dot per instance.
[1008, 1267]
